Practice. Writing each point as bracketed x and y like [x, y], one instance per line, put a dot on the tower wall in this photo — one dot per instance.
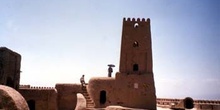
[136, 47]
[9, 68]
[135, 72]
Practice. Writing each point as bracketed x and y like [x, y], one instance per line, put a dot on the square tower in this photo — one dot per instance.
[136, 52]
[9, 68]
[133, 86]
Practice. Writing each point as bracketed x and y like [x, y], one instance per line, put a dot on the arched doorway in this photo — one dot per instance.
[10, 82]
[102, 97]
[31, 104]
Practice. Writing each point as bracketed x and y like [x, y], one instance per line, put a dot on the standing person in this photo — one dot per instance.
[110, 70]
[82, 80]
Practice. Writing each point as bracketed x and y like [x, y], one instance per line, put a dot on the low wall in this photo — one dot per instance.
[67, 95]
[42, 98]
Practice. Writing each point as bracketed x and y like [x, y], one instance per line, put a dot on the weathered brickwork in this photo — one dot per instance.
[67, 95]
[41, 98]
[9, 67]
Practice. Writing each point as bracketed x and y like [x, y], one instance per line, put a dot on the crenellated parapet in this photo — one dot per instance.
[36, 87]
[168, 101]
[207, 102]
[24, 86]
[41, 88]
[136, 20]
[45, 98]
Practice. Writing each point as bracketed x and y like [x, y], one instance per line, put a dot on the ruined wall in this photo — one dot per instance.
[67, 96]
[9, 67]
[42, 98]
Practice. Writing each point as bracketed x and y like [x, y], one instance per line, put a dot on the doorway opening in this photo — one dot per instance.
[102, 97]
[31, 104]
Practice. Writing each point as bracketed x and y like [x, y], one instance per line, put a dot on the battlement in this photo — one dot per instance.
[35, 87]
[24, 86]
[168, 101]
[136, 20]
[38, 87]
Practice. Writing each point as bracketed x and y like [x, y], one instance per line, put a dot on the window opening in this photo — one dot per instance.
[135, 44]
[136, 25]
[135, 67]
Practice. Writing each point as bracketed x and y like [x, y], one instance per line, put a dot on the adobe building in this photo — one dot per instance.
[133, 85]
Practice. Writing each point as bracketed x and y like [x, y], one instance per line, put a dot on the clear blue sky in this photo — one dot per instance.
[61, 40]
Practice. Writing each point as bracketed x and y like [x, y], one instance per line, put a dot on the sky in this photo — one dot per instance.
[61, 40]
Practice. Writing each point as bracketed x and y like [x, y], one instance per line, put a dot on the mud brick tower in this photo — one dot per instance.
[9, 68]
[136, 63]
[133, 85]
[136, 53]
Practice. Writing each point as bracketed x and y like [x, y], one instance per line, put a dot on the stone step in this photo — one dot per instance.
[85, 93]
[90, 106]
[89, 101]
[87, 97]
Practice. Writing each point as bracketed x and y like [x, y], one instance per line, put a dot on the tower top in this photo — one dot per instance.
[136, 20]
[136, 52]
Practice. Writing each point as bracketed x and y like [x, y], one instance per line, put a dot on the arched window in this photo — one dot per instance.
[31, 104]
[135, 44]
[135, 67]
[136, 25]
[102, 97]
